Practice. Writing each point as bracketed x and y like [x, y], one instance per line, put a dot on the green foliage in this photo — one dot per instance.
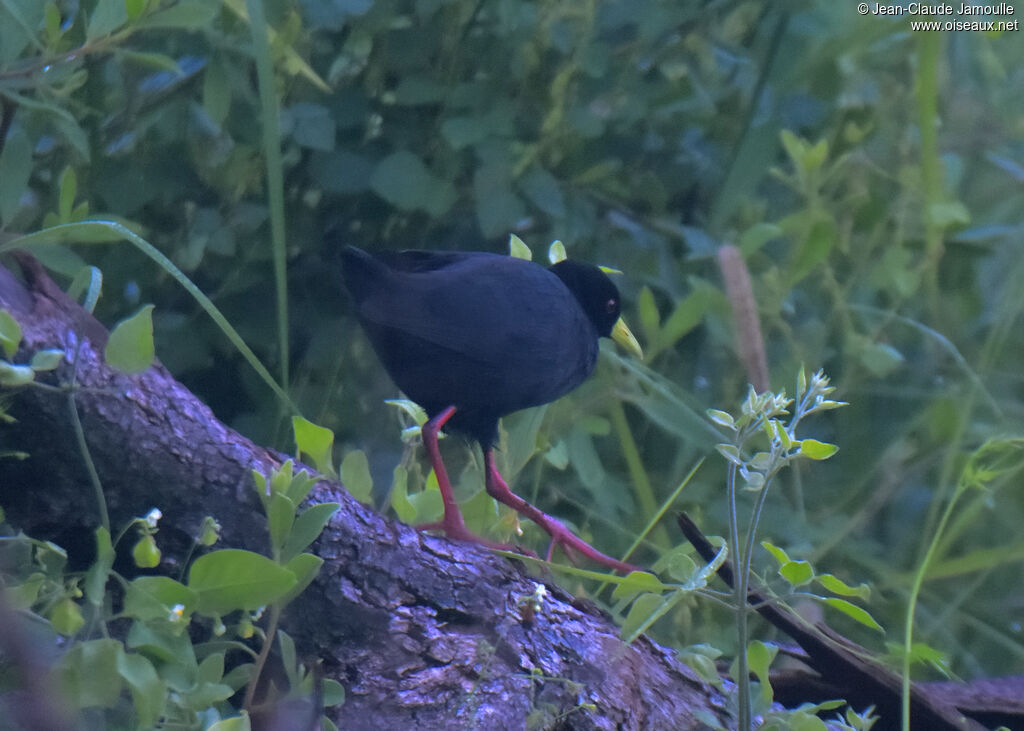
[130, 347]
[761, 425]
[317, 442]
[10, 334]
[12, 374]
[157, 676]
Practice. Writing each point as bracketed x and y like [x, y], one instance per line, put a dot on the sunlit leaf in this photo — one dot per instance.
[854, 612]
[518, 249]
[816, 450]
[797, 573]
[232, 579]
[130, 347]
[315, 441]
[404, 509]
[355, 475]
[10, 334]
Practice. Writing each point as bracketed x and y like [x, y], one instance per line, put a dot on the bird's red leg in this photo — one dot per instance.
[560, 535]
[452, 523]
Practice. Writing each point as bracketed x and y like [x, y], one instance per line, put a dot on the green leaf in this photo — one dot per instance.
[313, 127]
[643, 608]
[333, 693]
[780, 555]
[413, 409]
[650, 318]
[686, 316]
[158, 61]
[300, 486]
[315, 441]
[16, 162]
[52, 558]
[307, 528]
[677, 563]
[232, 579]
[760, 657]
[730, 452]
[216, 91]
[238, 723]
[518, 249]
[63, 121]
[399, 496]
[289, 661]
[814, 248]
[134, 8]
[498, 208]
[107, 16]
[305, 566]
[837, 586]
[96, 576]
[204, 695]
[543, 190]
[146, 553]
[19, 20]
[815, 156]
[797, 573]
[149, 692]
[949, 214]
[558, 455]
[636, 582]
[211, 669]
[556, 252]
[130, 347]
[428, 503]
[757, 236]
[10, 334]
[722, 418]
[89, 674]
[153, 597]
[461, 132]
[184, 16]
[854, 612]
[66, 617]
[880, 359]
[46, 360]
[355, 475]
[404, 181]
[813, 449]
[280, 516]
[168, 645]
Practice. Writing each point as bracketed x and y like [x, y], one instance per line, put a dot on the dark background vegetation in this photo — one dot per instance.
[871, 176]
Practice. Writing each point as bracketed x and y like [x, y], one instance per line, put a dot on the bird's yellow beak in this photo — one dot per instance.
[622, 335]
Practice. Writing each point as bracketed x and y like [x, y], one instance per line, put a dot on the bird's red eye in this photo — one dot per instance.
[611, 306]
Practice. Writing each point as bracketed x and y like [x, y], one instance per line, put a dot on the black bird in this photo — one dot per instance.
[471, 337]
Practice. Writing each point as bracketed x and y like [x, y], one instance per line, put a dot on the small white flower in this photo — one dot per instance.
[153, 517]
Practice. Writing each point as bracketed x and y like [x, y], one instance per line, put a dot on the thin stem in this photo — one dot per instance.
[740, 599]
[83, 449]
[275, 175]
[261, 659]
[755, 518]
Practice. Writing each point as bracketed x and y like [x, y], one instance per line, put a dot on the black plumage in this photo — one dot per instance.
[473, 336]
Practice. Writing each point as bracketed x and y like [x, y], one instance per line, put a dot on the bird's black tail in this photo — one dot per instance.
[361, 272]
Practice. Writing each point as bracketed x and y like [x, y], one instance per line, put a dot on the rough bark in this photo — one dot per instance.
[422, 632]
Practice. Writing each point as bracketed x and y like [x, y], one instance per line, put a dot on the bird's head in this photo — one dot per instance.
[599, 298]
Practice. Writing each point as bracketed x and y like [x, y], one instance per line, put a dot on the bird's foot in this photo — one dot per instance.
[570, 542]
[457, 531]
